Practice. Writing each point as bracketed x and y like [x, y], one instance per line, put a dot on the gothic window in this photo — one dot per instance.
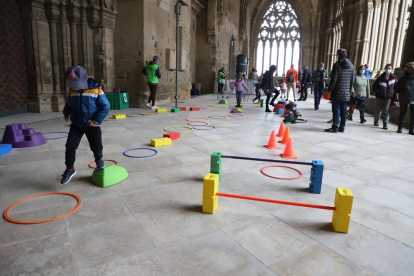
[279, 38]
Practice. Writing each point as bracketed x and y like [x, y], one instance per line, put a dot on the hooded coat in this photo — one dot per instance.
[405, 89]
[342, 80]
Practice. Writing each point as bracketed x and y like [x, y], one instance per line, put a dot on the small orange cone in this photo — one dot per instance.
[289, 152]
[286, 136]
[272, 141]
[281, 130]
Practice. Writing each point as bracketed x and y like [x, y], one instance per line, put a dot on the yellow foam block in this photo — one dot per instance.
[161, 110]
[342, 215]
[237, 108]
[210, 188]
[118, 116]
[157, 142]
[167, 141]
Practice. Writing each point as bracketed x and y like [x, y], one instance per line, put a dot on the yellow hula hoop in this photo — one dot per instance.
[190, 129]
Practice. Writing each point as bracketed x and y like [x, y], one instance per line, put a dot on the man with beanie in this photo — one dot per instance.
[86, 107]
[153, 73]
[405, 95]
[340, 87]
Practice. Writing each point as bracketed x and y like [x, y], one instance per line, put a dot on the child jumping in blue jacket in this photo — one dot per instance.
[86, 107]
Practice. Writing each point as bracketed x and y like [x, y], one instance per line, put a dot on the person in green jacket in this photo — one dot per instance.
[362, 90]
[153, 73]
[221, 79]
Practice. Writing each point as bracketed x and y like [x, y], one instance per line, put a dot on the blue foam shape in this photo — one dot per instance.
[280, 111]
[235, 111]
[315, 186]
[5, 148]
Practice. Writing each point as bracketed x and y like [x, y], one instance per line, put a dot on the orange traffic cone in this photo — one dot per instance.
[289, 152]
[286, 136]
[281, 130]
[272, 141]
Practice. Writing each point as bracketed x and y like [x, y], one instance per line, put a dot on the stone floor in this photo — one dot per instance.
[152, 224]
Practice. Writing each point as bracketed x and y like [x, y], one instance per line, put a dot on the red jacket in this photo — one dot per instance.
[295, 75]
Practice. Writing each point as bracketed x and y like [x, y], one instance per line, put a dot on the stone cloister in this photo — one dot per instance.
[113, 40]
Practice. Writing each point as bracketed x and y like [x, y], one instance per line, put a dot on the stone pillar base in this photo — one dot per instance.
[40, 104]
[58, 103]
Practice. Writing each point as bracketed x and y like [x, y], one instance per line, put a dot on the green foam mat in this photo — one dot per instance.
[108, 176]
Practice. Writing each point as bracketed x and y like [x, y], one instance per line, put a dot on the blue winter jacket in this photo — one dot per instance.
[88, 104]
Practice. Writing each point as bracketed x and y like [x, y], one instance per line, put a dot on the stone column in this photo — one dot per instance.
[402, 19]
[381, 38]
[329, 42]
[389, 34]
[357, 42]
[350, 28]
[408, 54]
[374, 35]
[367, 33]
[66, 49]
[345, 20]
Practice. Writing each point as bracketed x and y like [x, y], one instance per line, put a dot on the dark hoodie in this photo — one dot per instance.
[342, 80]
[384, 88]
[267, 82]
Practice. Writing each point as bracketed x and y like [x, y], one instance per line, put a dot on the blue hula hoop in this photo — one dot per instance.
[146, 156]
[55, 133]
[212, 127]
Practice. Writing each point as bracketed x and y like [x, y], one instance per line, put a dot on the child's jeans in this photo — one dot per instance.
[94, 135]
[239, 97]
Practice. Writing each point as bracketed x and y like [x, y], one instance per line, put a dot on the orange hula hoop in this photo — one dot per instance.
[90, 164]
[6, 213]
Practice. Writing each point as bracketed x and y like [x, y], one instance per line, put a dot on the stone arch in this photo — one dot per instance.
[305, 12]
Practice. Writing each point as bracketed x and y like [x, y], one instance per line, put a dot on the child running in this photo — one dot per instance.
[257, 90]
[239, 84]
[86, 108]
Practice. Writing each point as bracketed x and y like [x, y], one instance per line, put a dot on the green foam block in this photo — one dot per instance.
[175, 110]
[108, 176]
[223, 102]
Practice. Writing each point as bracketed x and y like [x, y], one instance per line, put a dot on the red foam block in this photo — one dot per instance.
[194, 109]
[183, 108]
[172, 135]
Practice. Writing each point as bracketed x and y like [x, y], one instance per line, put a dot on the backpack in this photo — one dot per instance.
[291, 78]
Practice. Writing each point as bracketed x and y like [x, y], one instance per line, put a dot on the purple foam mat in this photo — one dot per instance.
[22, 137]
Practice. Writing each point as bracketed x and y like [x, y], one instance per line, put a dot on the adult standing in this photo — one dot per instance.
[368, 73]
[268, 85]
[305, 82]
[361, 91]
[253, 74]
[153, 73]
[320, 77]
[291, 79]
[221, 79]
[340, 87]
[384, 89]
[405, 95]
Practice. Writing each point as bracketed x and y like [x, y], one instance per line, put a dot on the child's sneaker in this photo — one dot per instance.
[67, 176]
[154, 107]
[100, 164]
[148, 105]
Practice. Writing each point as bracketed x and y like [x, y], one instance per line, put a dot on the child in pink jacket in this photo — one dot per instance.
[239, 84]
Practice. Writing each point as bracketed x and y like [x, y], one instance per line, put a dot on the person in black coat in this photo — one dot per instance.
[340, 87]
[405, 95]
[320, 77]
[305, 82]
[268, 85]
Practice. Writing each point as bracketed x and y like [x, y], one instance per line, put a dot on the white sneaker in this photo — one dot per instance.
[148, 105]
[154, 107]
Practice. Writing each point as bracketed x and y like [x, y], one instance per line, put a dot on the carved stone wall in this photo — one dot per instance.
[13, 77]
[147, 28]
[57, 34]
